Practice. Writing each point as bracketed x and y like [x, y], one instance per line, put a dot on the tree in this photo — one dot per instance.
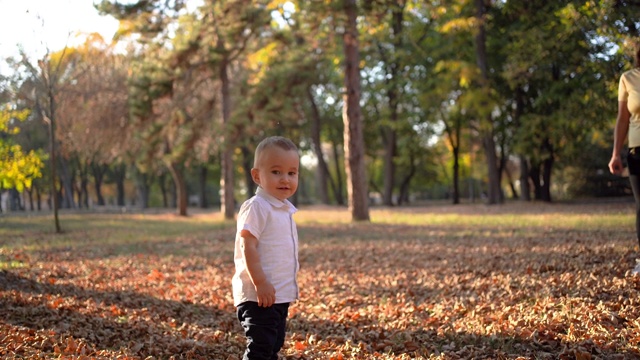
[19, 169]
[43, 89]
[212, 41]
[95, 119]
[494, 194]
[557, 76]
[357, 188]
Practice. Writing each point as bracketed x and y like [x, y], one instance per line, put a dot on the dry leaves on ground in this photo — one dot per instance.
[424, 286]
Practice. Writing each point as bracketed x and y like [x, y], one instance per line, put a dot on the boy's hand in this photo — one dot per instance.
[266, 294]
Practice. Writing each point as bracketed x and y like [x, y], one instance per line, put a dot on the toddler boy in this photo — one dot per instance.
[266, 249]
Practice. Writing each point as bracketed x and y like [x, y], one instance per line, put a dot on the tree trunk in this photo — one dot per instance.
[67, 185]
[547, 166]
[357, 187]
[119, 172]
[512, 186]
[180, 186]
[456, 175]
[494, 191]
[98, 176]
[337, 189]
[14, 200]
[173, 193]
[143, 188]
[534, 175]
[393, 90]
[38, 198]
[525, 191]
[52, 154]
[227, 200]
[322, 171]
[163, 189]
[247, 165]
[389, 166]
[203, 202]
[83, 186]
[403, 197]
[84, 191]
[30, 196]
[488, 142]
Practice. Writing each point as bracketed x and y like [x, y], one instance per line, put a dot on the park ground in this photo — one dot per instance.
[514, 281]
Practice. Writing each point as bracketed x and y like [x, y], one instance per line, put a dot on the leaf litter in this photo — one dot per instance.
[368, 291]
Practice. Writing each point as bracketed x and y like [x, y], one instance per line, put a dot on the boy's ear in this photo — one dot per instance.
[255, 175]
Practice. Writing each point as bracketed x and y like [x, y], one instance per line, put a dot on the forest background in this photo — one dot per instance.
[391, 102]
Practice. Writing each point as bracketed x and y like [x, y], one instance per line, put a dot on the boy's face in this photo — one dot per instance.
[277, 172]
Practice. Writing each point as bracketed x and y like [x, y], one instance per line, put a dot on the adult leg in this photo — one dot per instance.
[260, 326]
[635, 187]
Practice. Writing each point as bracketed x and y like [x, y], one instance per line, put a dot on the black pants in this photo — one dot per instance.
[633, 160]
[264, 328]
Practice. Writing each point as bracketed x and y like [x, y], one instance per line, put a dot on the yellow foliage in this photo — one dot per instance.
[459, 24]
[258, 62]
[17, 169]
[273, 4]
[7, 115]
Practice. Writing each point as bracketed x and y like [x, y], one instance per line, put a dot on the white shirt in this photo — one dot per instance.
[271, 222]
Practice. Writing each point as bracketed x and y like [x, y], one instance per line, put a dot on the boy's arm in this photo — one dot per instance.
[265, 290]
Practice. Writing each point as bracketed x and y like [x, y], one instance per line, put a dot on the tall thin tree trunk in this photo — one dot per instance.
[357, 186]
[67, 185]
[203, 202]
[227, 200]
[14, 200]
[143, 188]
[534, 175]
[322, 169]
[547, 167]
[84, 191]
[180, 186]
[98, 176]
[456, 175]
[30, 196]
[338, 188]
[55, 204]
[403, 197]
[389, 166]
[163, 189]
[525, 191]
[247, 164]
[173, 193]
[512, 186]
[393, 94]
[119, 173]
[38, 198]
[488, 142]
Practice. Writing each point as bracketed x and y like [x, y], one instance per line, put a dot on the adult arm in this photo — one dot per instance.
[619, 136]
[265, 290]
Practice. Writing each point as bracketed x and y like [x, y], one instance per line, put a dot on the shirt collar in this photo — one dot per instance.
[274, 201]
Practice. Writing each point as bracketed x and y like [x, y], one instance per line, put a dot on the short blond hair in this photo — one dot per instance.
[273, 141]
